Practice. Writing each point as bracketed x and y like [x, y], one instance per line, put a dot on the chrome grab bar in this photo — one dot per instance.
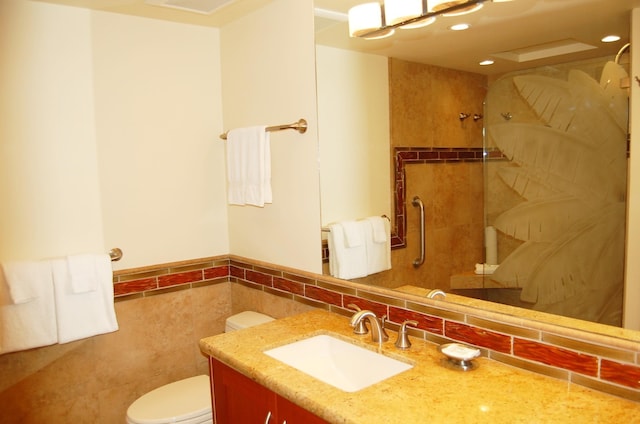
[417, 202]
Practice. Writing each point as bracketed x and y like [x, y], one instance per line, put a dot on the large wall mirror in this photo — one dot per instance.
[521, 163]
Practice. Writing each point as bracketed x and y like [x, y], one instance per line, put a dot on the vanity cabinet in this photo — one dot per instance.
[238, 399]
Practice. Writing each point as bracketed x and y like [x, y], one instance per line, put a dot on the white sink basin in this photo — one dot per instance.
[338, 363]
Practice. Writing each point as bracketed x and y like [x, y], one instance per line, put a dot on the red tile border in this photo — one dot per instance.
[216, 272]
[425, 322]
[135, 286]
[288, 285]
[259, 278]
[323, 295]
[477, 336]
[404, 156]
[626, 375]
[380, 309]
[179, 278]
[556, 356]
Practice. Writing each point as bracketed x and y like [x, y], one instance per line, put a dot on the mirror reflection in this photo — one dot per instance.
[556, 236]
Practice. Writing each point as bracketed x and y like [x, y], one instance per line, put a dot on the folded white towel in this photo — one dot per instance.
[345, 262]
[485, 269]
[84, 271]
[249, 166]
[81, 315]
[381, 228]
[353, 233]
[378, 253]
[27, 307]
[24, 279]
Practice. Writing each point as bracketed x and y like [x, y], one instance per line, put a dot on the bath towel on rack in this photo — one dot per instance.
[359, 248]
[84, 310]
[378, 243]
[27, 307]
[249, 166]
[344, 261]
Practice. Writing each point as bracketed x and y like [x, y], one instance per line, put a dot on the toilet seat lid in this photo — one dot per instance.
[175, 402]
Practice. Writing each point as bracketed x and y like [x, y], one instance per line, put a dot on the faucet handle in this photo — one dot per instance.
[403, 341]
[360, 327]
[383, 334]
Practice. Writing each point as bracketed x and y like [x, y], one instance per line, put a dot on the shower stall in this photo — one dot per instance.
[555, 171]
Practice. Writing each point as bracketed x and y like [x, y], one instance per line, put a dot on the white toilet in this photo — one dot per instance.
[186, 401]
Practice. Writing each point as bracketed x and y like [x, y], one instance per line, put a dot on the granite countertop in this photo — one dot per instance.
[430, 393]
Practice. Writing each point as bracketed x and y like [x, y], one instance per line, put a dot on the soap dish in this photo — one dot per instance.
[459, 356]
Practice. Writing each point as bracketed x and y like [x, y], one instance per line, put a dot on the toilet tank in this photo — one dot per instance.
[245, 319]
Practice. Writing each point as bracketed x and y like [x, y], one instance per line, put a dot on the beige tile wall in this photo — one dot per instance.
[96, 379]
[425, 103]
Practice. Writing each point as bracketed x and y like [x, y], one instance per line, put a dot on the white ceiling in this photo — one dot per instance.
[496, 28]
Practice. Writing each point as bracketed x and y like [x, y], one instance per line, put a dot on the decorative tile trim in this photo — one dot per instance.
[609, 369]
[404, 156]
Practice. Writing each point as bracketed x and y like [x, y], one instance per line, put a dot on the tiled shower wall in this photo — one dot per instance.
[437, 157]
[164, 310]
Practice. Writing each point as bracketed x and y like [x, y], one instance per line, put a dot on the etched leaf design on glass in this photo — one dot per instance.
[569, 167]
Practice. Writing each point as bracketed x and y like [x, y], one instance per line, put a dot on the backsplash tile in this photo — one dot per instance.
[610, 368]
[627, 375]
[556, 356]
[477, 336]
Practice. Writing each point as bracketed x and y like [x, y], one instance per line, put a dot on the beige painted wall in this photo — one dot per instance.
[109, 138]
[49, 181]
[353, 118]
[158, 115]
[268, 74]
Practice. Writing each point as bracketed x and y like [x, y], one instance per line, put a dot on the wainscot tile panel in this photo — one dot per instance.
[605, 365]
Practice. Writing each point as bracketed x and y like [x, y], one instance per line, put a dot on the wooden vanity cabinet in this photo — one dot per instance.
[238, 399]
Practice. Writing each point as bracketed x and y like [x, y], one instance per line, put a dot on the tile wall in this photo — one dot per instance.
[606, 363]
[164, 310]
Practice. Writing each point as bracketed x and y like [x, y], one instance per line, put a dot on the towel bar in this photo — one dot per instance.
[115, 254]
[300, 126]
[327, 229]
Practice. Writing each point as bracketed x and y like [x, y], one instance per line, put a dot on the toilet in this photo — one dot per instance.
[186, 401]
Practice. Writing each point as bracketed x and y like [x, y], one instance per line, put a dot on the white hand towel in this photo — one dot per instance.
[380, 227]
[485, 269]
[27, 307]
[378, 253]
[249, 166]
[353, 233]
[87, 314]
[345, 262]
[84, 271]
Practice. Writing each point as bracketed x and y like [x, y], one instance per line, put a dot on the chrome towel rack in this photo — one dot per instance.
[328, 230]
[300, 126]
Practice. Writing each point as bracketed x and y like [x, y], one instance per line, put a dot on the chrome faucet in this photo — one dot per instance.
[376, 328]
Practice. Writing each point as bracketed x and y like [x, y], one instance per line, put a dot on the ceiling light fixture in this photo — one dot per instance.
[486, 62]
[376, 20]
